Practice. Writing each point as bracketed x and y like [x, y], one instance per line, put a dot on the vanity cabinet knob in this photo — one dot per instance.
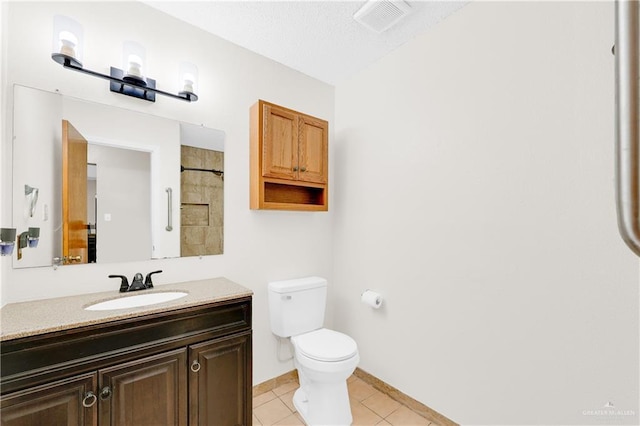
[89, 399]
[303, 169]
[295, 169]
[105, 393]
[195, 366]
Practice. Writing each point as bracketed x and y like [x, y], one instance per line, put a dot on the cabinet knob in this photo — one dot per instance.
[195, 366]
[89, 399]
[295, 169]
[303, 169]
[105, 393]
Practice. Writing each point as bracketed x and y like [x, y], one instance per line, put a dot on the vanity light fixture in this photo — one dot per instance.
[67, 51]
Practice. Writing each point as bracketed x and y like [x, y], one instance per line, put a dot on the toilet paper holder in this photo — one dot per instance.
[371, 298]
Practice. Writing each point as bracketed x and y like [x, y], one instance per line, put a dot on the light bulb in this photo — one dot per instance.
[188, 80]
[66, 47]
[135, 66]
[68, 43]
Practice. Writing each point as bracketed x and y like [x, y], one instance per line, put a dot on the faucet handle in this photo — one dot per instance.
[124, 284]
[147, 281]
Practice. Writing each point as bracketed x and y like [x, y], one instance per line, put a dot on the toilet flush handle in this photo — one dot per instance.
[286, 297]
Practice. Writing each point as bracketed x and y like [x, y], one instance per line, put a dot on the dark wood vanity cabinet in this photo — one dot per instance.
[184, 367]
[217, 382]
[58, 403]
[149, 391]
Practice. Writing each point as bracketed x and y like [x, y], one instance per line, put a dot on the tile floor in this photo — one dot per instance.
[368, 407]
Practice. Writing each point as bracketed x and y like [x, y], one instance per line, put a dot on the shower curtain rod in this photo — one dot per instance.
[627, 87]
[214, 171]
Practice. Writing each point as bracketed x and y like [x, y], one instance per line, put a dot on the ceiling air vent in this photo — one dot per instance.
[380, 15]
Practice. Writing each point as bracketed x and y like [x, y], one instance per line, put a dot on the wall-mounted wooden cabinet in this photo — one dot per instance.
[289, 159]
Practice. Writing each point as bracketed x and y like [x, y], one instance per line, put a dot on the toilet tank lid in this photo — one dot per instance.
[298, 284]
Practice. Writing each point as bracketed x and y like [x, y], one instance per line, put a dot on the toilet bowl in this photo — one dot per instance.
[324, 358]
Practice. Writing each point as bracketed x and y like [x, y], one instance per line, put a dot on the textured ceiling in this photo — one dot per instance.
[317, 38]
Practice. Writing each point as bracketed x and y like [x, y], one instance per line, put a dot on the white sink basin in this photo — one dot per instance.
[136, 301]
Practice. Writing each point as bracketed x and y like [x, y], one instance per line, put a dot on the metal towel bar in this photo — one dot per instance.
[627, 51]
[195, 169]
[169, 226]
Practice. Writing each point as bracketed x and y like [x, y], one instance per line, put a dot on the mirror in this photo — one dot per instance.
[153, 187]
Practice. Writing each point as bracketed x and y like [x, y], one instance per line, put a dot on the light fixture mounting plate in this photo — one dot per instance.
[130, 89]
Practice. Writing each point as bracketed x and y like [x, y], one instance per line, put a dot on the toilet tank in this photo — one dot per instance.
[297, 306]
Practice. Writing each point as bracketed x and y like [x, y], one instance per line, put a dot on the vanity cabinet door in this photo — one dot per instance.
[220, 381]
[149, 391]
[68, 402]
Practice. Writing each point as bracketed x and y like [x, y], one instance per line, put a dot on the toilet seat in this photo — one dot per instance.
[325, 345]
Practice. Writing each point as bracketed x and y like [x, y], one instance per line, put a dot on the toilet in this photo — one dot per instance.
[324, 358]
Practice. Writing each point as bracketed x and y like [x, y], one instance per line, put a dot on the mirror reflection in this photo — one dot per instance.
[113, 201]
[117, 204]
[201, 194]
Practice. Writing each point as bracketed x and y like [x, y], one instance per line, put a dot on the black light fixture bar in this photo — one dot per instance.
[119, 84]
[131, 87]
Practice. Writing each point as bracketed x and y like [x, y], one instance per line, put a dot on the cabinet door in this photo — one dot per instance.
[280, 143]
[150, 391]
[69, 402]
[220, 382]
[313, 150]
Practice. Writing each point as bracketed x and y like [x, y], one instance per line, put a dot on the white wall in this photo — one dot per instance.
[259, 246]
[474, 170]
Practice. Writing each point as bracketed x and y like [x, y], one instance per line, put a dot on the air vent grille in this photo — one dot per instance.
[380, 15]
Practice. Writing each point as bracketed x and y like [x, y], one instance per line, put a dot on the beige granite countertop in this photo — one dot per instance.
[64, 313]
